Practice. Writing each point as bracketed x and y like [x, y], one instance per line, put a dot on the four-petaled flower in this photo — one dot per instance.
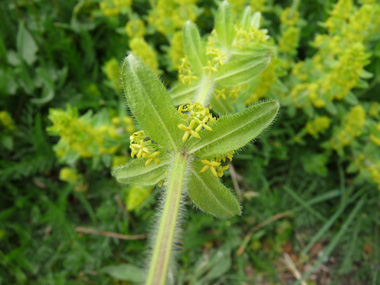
[189, 131]
[210, 165]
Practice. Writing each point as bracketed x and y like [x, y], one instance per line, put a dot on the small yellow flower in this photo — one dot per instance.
[220, 93]
[210, 68]
[153, 157]
[202, 124]
[139, 149]
[210, 165]
[221, 170]
[189, 131]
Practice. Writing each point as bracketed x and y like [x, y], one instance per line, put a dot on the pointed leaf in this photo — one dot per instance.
[351, 99]
[241, 70]
[126, 272]
[254, 51]
[245, 19]
[224, 25]
[150, 104]
[255, 20]
[232, 132]
[135, 172]
[210, 195]
[194, 47]
[26, 46]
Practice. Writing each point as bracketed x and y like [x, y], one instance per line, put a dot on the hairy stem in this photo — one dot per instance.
[205, 91]
[163, 244]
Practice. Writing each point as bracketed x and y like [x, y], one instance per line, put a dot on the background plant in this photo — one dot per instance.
[319, 193]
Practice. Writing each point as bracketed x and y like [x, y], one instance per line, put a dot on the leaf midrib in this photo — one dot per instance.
[228, 74]
[212, 194]
[228, 133]
[154, 109]
[142, 173]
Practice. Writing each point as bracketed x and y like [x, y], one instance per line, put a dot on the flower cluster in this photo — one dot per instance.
[318, 125]
[374, 169]
[176, 52]
[352, 124]
[368, 167]
[87, 136]
[305, 94]
[339, 15]
[215, 164]
[112, 70]
[246, 37]
[288, 42]
[196, 118]
[142, 147]
[346, 74]
[169, 16]
[263, 84]
[375, 135]
[135, 28]
[185, 73]
[142, 49]
[243, 39]
[225, 93]
[112, 8]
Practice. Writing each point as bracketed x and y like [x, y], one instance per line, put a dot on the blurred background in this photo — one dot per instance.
[309, 186]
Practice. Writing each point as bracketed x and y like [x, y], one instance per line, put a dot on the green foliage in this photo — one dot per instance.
[308, 187]
[154, 111]
[233, 132]
[210, 195]
[150, 105]
[136, 172]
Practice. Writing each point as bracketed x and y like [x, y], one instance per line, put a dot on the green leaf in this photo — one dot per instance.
[365, 74]
[221, 107]
[126, 272]
[220, 266]
[224, 25]
[351, 99]
[194, 48]
[135, 172]
[26, 46]
[241, 70]
[232, 132]
[245, 19]
[150, 104]
[255, 51]
[255, 20]
[330, 107]
[362, 84]
[210, 195]
[180, 93]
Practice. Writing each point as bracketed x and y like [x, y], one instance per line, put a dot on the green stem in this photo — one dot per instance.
[205, 90]
[163, 244]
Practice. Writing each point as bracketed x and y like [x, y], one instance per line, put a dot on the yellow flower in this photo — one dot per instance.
[319, 124]
[69, 175]
[289, 17]
[189, 131]
[135, 28]
[141, 49]
[6, 120]
[210, 165]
